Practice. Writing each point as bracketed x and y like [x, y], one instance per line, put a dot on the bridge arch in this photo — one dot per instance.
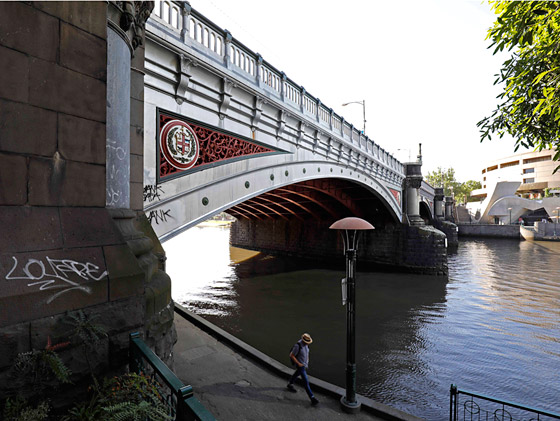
[297, 190]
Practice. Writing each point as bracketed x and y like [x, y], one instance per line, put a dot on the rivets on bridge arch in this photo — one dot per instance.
[318, 169]
[272, 177]
[304, 170]
[286, 173]
[331, 169]
[205, 201]
[247, 184]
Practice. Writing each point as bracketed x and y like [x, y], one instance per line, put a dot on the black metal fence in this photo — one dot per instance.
[468, 406]
[179, 399]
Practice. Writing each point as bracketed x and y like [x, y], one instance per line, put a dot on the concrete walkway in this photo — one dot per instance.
[233, 387]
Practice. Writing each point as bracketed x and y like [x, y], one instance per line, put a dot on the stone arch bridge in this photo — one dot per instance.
[260, 146]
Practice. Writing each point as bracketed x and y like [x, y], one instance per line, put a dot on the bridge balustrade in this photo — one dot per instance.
[193, 27]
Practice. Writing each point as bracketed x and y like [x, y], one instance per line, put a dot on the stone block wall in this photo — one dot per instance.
[411, 249]
[61, 249]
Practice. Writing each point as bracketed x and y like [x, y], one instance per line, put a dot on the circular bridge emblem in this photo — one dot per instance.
[179, 144]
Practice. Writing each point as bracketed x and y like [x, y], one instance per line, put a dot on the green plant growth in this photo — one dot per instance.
[90, 335]
[530, 102]
[19, 409]
[127, 397]
[445, 177]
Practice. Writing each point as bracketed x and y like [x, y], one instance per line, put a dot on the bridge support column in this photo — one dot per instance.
[449, 208]
[438, 203]
[412, 183]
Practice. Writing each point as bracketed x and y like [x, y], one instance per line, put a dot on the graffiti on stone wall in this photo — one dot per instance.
[152, 193]
[159, 215]
[54, 274]
[117, 178]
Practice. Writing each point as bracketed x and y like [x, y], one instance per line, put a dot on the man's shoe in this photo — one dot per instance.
[314, 401]
[291, 388]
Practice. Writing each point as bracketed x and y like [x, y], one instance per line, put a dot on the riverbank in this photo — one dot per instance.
[235, 381]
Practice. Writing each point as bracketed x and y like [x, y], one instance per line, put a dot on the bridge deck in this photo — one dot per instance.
[234, 388]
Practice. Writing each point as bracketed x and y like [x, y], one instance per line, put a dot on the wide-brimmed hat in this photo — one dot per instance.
[306, 338]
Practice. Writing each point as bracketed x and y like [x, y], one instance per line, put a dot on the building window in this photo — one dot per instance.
[509, 164]
[528, 180]
[537, 159]
[528, 170]
[495, 167]
[484, 179]
[483, 171]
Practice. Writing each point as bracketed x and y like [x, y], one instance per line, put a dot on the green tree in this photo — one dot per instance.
[445, 177]
[530, 103]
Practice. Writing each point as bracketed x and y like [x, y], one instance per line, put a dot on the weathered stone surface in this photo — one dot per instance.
[136, 84]
[28, 30]
[54, 271]
[89, 16]
[29, 229]
[83, 52]
[14, 75]
[136, 196]
[18, 119]
[13, 180]
[127, 278]
[82, 227]
[157, 293]
[60, 89]
[136, 140]
[136, 113]
[13, 340]
[81, 140]
[57, 182]
[136, 168]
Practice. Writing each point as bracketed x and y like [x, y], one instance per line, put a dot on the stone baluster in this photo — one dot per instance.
[228, 38]
[302, 100]
[259, 70]
[185, 12]
[318, 113]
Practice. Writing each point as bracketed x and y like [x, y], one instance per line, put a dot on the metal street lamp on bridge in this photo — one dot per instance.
[350, 237]
[509, 209]
[363, 104]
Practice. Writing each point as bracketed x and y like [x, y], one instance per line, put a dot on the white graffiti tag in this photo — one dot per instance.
[56, 274]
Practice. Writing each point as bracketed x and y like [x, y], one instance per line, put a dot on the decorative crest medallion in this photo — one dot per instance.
[179, 144]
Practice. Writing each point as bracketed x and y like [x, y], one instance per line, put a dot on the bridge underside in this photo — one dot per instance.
[325, 200]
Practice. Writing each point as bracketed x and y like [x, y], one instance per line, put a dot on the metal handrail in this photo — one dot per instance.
[187, 406]
[453, 404]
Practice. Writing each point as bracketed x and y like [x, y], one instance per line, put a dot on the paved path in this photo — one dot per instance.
[233, 387]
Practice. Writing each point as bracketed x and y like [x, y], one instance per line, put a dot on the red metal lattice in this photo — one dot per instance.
[214, 147]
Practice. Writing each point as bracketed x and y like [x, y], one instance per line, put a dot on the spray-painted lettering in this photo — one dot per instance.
[55, 274]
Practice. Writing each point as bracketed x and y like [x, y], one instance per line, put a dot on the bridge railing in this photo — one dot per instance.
[178, 398]
[465, 405]
[193, 27]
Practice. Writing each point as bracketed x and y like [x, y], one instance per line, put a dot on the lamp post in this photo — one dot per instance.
[509, 209]
[350, 230]
[556, 222]
[363, 104]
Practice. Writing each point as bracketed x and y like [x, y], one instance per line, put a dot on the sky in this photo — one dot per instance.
[423, 68]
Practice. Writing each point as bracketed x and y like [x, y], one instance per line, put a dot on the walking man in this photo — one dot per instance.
[300, 357]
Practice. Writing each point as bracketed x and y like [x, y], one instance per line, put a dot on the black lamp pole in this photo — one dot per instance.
[350, 400]
[351, 227]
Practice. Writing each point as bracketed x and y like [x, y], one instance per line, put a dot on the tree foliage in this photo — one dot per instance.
[530, 103]
[445, 177]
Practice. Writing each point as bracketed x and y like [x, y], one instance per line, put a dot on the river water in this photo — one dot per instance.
[492, 327]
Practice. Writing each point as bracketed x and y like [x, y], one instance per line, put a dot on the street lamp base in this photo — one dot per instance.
[350, 407]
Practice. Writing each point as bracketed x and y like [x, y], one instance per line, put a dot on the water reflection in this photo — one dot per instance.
[494, 327]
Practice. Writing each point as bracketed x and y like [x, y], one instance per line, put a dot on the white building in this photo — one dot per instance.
[532, 169]
[515, 186]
